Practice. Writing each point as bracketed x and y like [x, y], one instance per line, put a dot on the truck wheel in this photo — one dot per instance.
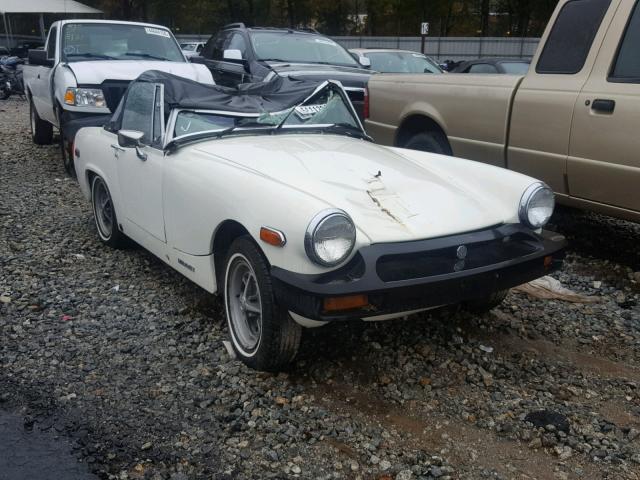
[433, 142]
[483, 305]
[67, 155]
[263, 335]
[105, 215]
[41, 131]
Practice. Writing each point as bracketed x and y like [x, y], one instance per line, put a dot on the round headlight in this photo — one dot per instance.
[536, 205]
[330, 237]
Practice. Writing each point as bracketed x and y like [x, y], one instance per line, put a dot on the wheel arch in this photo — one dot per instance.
[221, 240]
[418, 123]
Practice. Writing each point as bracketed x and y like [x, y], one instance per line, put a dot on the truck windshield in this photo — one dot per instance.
[113, 41]
[299, 48]
[402, 62]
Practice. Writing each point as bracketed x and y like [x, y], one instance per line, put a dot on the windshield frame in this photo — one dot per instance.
[172, 38]
[251, 33]
[175, 141]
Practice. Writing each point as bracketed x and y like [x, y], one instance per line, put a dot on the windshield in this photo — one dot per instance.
[326, 110]
[112, 41]
[402, 62]
[300, 48]
[189, 47]
[515, 68]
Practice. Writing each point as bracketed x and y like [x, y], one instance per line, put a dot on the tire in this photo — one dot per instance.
[41, 131]
[67, 157]
[433, 142]
[263, 335]
[105, 215]
[484, 305]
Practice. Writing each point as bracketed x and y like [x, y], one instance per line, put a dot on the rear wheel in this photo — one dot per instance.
[432, 141]
[41, 131]
[105, 214]
[263, 335]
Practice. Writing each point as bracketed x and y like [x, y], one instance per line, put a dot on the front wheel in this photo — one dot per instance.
[484, 305]
[41, 131]
[67, 155]
[263, 335]
[105, 214]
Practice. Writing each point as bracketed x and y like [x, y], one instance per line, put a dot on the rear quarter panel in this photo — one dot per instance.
[472, 110]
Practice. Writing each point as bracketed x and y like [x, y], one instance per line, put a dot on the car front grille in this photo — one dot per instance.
[457, 258]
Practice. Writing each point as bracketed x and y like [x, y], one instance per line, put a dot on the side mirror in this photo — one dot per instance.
[364, 61]
[132, 139]
[39, 57]
[232, 55]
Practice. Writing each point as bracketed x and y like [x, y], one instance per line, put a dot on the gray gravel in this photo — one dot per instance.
[125, 358]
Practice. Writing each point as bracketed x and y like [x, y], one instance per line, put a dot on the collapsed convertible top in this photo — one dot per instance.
[273, 96]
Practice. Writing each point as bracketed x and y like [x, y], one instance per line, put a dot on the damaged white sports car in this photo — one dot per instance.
[274, 196]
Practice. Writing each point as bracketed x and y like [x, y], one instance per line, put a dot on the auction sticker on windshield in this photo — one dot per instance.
[157, 31]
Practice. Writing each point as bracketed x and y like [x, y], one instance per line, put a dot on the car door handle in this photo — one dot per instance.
[603, 106]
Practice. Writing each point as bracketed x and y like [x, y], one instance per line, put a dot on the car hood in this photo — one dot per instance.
[389, 195]
[96, 72]
[347, 75]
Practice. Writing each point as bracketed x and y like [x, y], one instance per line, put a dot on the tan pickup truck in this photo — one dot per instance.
[572, 121]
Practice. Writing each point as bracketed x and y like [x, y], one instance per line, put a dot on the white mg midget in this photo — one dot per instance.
[273, 195]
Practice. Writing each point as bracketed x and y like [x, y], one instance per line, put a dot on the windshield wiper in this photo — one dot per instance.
[91, 55]
[273, 60]
[348, 129]
[147, 55]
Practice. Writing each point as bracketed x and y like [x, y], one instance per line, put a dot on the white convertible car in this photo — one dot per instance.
[273, 195]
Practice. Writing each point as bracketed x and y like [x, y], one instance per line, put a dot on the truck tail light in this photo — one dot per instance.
[365, 108]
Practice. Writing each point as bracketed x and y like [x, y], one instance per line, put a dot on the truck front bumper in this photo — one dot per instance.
[399, 277]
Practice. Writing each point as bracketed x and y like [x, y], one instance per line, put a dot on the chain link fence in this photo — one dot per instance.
[440, 48]
[450, 48]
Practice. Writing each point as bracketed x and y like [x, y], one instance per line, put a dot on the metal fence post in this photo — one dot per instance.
[480, 47]
[521, 47]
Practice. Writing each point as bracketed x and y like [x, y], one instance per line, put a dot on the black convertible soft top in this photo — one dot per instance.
[273, 96]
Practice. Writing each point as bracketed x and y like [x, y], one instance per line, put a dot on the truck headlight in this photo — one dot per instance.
[536, 205]
[85, 97]
[330, 237]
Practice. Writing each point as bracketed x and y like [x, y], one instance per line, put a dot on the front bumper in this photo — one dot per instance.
[399, 277]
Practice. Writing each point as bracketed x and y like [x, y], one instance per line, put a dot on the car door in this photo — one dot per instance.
[543, 107]
[603, 164]
[140, 171]
[42, 88]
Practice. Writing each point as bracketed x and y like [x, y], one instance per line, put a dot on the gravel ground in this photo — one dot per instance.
[125, 357]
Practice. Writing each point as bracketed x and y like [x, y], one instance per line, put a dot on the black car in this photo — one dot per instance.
[238, 54]
[508, 66]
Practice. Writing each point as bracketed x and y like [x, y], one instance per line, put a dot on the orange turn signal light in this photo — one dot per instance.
[350, 302]
[548, 261]
[272, 236]
[69, 97]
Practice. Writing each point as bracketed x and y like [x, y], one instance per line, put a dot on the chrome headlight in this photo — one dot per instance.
[330, 237]
[85, 97]
[536, 205]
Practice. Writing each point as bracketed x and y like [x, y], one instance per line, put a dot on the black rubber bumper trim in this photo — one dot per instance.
[304, 294]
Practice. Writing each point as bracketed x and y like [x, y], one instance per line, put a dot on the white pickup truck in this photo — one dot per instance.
[85, 67]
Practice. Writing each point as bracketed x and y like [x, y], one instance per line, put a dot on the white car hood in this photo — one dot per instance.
[389, 195]
[96, 72]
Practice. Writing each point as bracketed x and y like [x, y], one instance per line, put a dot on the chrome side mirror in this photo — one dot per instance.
[364, 61]
[232, 54]
[132, 139]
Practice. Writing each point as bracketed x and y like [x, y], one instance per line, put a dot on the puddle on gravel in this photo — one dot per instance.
[29, 455]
